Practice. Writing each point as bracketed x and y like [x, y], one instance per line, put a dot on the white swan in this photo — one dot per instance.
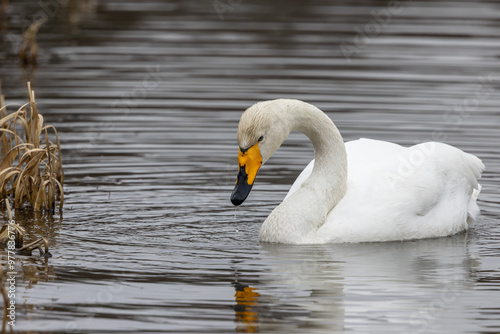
[389, 192]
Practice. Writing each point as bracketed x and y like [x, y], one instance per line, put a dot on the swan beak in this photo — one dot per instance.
[249, 161]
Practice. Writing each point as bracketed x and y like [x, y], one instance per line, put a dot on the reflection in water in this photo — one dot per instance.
[337, 284]
[36, 270]
[245, 316]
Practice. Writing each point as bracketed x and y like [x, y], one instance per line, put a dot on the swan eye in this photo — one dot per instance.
[261, 138]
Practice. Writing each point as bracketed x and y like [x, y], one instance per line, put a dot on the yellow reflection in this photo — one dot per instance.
[246, 318]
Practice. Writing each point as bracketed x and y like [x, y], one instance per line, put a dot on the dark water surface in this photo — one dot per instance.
[147, 96]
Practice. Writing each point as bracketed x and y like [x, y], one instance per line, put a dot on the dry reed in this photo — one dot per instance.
[31, 171]
[29, 48]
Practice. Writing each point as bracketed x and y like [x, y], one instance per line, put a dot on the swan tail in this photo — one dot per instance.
[473, 209]
[476, 167]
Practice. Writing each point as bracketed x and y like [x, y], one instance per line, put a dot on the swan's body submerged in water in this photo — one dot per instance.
[360, 191]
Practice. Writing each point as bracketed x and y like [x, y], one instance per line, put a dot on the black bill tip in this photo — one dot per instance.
[242, 188]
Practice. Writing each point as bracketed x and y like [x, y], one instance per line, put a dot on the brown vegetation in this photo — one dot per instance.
[31, 169]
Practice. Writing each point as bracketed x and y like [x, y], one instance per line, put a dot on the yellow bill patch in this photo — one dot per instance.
[251, 160]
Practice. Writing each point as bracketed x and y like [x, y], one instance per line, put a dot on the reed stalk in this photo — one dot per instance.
[31, 171]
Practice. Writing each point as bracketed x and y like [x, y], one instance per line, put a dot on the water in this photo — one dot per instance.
[147, 96]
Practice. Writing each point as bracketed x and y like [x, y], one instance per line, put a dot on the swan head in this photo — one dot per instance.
[261, 131]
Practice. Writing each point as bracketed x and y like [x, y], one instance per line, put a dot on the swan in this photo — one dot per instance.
[360, 191]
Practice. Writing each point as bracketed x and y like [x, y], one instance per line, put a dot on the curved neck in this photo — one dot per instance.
[299, 216]
[327, 181]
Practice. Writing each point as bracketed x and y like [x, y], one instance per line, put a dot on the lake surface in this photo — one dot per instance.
[147, 97]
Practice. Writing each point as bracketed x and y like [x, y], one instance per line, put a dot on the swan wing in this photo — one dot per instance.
[398, 193]
[360, 153]
[427, 190]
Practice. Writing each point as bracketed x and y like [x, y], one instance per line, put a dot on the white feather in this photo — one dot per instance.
[399, 193]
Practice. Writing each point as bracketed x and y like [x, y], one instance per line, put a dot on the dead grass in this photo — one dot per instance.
[31, 169]
[29, 48]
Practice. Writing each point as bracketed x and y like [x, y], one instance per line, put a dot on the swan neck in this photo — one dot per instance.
[299, 216]
[327, 182]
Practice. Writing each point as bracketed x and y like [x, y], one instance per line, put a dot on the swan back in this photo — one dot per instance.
[398, 193]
